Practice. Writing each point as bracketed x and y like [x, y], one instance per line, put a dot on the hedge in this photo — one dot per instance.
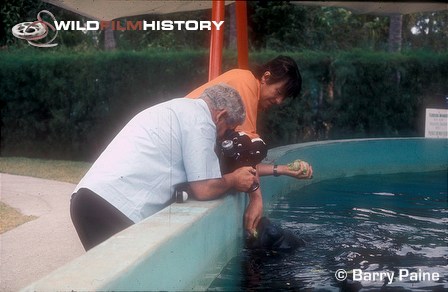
[69, 105]
[361, 95]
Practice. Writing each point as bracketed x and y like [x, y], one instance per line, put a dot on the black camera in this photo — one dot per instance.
[238, 150]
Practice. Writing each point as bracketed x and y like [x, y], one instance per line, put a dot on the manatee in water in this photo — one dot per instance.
[270, 236]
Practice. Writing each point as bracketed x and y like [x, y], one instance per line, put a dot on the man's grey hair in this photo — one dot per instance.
[224, 97]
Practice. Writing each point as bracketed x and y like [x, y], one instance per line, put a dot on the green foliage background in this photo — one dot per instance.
[68, 102]
[69, 105]
[62, 105]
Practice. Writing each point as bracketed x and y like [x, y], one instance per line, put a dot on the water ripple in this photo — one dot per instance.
[373, 223]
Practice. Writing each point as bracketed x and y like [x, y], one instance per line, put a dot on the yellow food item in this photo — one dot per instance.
[296, 165]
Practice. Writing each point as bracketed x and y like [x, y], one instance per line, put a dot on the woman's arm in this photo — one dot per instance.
[304, 171]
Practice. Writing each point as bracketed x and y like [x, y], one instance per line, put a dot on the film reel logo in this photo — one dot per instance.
[36, 30]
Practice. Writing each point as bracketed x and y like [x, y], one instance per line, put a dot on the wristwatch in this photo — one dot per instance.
[275, 170]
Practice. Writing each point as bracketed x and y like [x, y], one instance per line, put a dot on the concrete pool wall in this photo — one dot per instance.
[184, 246]
[344, 158]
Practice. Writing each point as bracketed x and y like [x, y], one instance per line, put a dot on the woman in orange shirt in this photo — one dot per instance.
[269, 85]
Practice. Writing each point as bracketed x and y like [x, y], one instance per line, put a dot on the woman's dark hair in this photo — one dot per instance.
[282, 68]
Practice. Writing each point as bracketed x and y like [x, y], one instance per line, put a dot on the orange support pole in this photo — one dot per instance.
[241, 31]
[216, 40]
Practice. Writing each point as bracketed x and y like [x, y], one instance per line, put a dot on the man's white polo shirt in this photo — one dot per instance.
[162, 146]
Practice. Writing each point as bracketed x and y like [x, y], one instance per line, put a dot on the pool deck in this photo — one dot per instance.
[36, 248]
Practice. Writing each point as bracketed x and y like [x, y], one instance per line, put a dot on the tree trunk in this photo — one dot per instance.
[109, 39]
[395, 27]
[232, 27]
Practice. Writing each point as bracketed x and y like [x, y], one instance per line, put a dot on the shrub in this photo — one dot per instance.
[69, 105]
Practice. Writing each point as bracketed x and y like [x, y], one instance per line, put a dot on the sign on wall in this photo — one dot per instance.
[436, 123]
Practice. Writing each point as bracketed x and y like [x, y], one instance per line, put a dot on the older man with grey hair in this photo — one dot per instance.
[161, 147]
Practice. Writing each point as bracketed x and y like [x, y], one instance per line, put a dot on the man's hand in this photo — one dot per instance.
[243, 178]
[210, 189]
[246, 177]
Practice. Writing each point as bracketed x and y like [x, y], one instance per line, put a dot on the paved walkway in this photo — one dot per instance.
[36, 248]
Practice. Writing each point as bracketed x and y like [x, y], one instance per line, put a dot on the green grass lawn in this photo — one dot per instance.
[59, 170]
[11, 218]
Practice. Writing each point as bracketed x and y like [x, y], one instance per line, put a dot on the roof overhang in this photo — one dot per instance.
[113, 9]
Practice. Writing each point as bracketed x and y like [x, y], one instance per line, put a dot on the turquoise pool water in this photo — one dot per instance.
[369, 225]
